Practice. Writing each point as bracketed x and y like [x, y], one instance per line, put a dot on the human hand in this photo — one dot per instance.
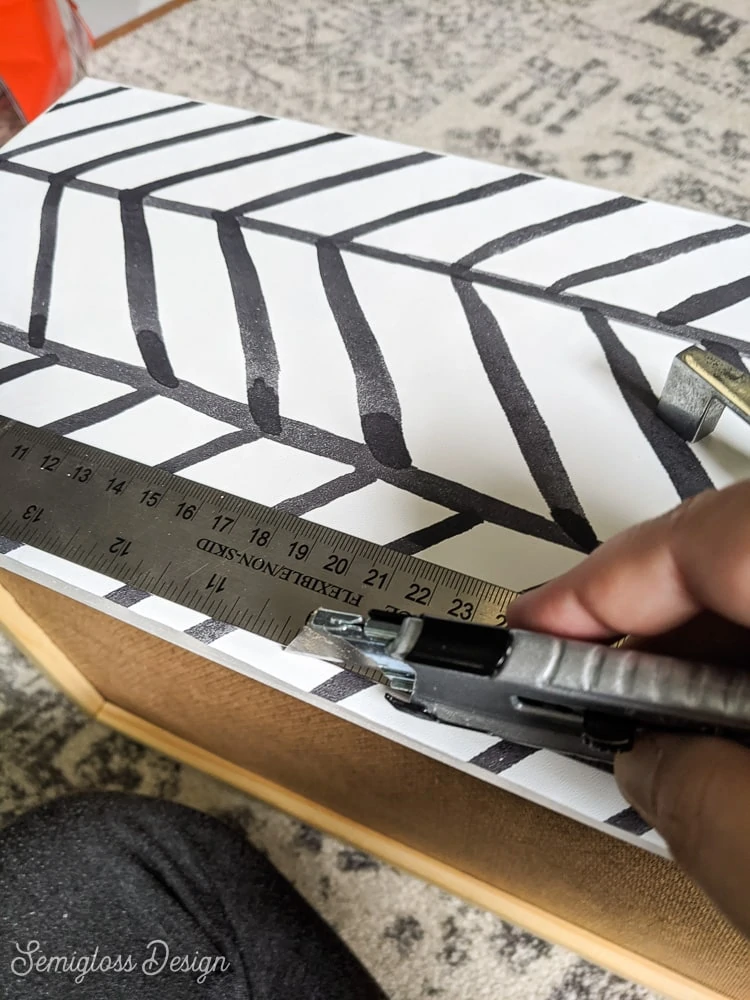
[679, 584]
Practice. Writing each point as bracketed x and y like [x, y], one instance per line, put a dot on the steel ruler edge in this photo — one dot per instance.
[254, 567]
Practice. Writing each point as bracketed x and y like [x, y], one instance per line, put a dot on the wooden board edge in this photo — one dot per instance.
[31, 638]
[137, 22]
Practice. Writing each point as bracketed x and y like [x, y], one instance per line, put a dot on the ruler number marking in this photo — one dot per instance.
[150, 497]
[216, 583]
[299, 551]
[418, 594]
[461, 609]
[260, 537]
[120, 546]
[375, 578]
[336, 564]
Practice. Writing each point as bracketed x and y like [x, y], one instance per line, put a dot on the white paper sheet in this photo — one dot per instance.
[432, 352]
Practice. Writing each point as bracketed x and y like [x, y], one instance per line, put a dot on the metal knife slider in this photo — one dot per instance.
[578, 698]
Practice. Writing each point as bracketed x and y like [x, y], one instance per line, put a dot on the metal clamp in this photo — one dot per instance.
[698, 387]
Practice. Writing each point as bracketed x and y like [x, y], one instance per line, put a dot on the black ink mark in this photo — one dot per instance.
[341, 685]
[630, 821]
[337, 180]
[705, 303]
[527, 424]
[310, 439]
[109, 92]
[21, 368]
[141, 286]
[256, 336]
[240, 161]
[676, 456]
[127, 596]
[102, 411]
[209, 630]
[379, 408]
[539, 229]
[322, 495]
[462, 198]
[424, 538]
[101, 127]
[710, 26]
[477, 277]
[647, 258]
[234, 439]
[500, 756]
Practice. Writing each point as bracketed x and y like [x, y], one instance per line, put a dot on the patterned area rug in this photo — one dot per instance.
[640, 95]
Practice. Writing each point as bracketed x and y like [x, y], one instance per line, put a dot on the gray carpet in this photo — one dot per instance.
[628, 94]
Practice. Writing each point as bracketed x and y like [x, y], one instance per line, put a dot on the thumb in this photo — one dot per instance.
[696, 792]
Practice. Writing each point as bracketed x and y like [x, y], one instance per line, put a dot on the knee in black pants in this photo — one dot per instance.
[114, 895]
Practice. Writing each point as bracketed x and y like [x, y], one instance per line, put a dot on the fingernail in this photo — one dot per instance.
[636, 775]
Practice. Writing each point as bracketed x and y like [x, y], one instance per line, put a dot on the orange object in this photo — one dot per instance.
[43, 45]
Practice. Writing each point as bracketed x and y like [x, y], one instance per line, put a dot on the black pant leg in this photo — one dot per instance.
[89, 878]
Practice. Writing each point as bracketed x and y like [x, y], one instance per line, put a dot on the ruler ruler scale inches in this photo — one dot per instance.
[254, 567]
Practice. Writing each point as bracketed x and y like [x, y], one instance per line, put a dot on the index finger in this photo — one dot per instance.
[655, 576]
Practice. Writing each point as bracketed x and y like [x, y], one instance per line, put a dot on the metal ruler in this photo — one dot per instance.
[242, 563]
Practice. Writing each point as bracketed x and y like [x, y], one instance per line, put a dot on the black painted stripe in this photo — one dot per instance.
[156, 144]
[500, 756]
[342, 685]
[254, 325]
[676, 456]
[127, 596]
[310, 439]
[647, 258]
[326, 493]
[706, 303]
[21, 368]
[109, 92]
[101, 127]
[240, 161]
[51, 212]
[210, 630]
[336, 180]
[140, 282]
[379, 408]
[539, 229]
[528, 426]
[432, 534]
[227, 442]
[478, 277]
[102, 411]
[725, 351]
[630, 821]
[438, 204]
[42, 287]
